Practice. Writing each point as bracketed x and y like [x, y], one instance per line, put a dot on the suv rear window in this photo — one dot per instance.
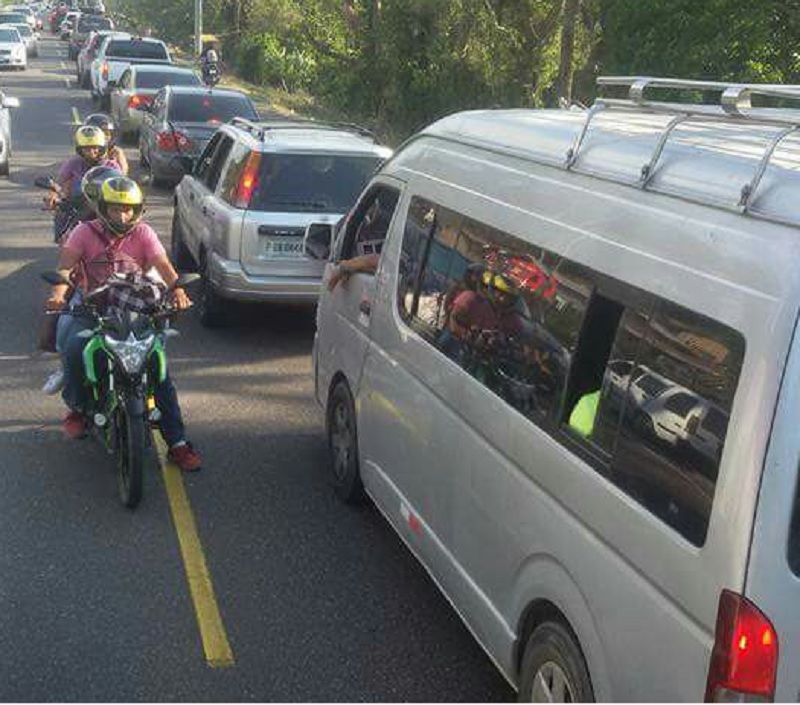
[12, 18]
[202, 107]
[298, 183]
[24, 30]
[133, 49]
[93, 22]
[9, 35]
[152, 79]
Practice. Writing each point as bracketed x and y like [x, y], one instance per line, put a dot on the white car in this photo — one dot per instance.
[6, 104]
[12, 48]
[30, 38]
[30, 15]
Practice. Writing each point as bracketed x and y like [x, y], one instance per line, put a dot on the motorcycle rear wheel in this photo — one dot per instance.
[130, 459]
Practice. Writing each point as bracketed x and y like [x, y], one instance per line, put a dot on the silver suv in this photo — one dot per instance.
[242, 211]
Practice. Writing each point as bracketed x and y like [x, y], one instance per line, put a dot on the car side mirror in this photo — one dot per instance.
[9, 102]
[317, 240]
[182, 163]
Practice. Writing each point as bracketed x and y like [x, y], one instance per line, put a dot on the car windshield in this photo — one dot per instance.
[650, 385]
[12, 18]
[297, 183]
[214, 109]
[24, 30]
[9, 35]
[133, 49]
[159, 79]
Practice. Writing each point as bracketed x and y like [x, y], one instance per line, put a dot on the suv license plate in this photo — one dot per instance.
[283, 247]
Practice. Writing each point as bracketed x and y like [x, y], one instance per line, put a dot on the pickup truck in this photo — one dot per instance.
[116, 55]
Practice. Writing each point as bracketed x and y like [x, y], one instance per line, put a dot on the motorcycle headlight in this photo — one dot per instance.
[131, 353]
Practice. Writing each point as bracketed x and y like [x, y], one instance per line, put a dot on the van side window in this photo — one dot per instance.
[675, 416]
[506, 312]
[369, 225]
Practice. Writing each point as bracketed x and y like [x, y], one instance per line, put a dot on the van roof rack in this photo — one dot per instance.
[259, 130]
[735, 107]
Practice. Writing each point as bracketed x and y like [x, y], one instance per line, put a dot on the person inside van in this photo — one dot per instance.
[368, 243]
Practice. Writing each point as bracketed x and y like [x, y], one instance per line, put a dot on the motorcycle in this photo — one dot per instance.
[124, 360]
[211, 74]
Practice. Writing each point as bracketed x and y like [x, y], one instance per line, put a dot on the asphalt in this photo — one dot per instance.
[319, 601]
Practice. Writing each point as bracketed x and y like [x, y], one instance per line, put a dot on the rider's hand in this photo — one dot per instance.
[51, 199]
[180, 299]
[55, 303]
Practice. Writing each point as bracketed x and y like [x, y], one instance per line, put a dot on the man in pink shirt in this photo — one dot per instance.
[92, 252]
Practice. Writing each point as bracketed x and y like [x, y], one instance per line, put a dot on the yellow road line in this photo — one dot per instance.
[76, 117]
[212, 631]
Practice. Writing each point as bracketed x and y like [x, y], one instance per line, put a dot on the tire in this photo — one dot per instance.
[553, 667]
[130, 459]
[181, 257]
[211, 306]
[85, 80]
[5, 168]
[340, 425]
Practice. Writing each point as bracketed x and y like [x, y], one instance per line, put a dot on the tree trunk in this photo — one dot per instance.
[565, 69]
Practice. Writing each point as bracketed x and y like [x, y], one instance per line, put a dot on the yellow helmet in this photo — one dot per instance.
[90, 136]
[121, 191]
[498, 282]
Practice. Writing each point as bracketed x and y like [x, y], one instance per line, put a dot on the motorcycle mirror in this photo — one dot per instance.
[85, 334]
[185, 279]
[54, 278]
[45, 182]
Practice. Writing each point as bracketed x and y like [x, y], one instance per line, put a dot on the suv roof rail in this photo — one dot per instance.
[260, 129]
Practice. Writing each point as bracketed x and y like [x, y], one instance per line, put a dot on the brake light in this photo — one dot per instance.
[172, 141]
[105, 71]
[139, 101]
[745, 655]
[248, 180]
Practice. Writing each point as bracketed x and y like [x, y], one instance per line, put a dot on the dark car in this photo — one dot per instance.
[181, 121]
[86, 25]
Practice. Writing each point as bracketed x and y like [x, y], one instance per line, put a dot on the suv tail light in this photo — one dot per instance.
[744, 660]
[172, 141]
[248, 180]
[104, 71]
[136, 102]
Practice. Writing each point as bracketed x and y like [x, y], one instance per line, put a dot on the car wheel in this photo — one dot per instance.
[211, 306]
[553, 668]
[85, 80]
[5, 168]
[340, 423]
[181, 257]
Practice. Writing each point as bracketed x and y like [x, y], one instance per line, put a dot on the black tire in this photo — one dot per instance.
[85, 80]
[130, 459]
[5, 168]
[181, 257]
[553, 667]
[211, 306]
[342, 432]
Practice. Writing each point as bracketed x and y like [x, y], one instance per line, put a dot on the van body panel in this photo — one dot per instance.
[771, 583]
[505, 513]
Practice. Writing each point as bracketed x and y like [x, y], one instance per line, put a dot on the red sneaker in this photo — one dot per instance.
[74, 425]
[185, 457]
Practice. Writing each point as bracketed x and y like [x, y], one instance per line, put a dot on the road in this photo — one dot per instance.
[317, 601]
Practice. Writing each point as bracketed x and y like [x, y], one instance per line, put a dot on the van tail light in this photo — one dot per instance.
[172, 141]
[137, 102]
[248, 180]
[744, 660]
[104, 71]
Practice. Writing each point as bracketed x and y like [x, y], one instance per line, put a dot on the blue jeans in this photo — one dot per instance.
[75, 392]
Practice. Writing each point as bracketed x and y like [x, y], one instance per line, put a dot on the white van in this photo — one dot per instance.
[467, 391]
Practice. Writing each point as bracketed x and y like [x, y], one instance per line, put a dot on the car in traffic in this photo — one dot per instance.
[30, 39]
[241, 213]
[136, 89]
[68, 25]
[7, 104]
[591, 562]
[116, 54]
[30, 15]
[87, 23]
[9, 17]
[83, 62]
[12, 48]
[181, 120]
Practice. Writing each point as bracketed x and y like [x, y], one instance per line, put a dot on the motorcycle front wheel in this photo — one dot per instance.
[130, 461]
